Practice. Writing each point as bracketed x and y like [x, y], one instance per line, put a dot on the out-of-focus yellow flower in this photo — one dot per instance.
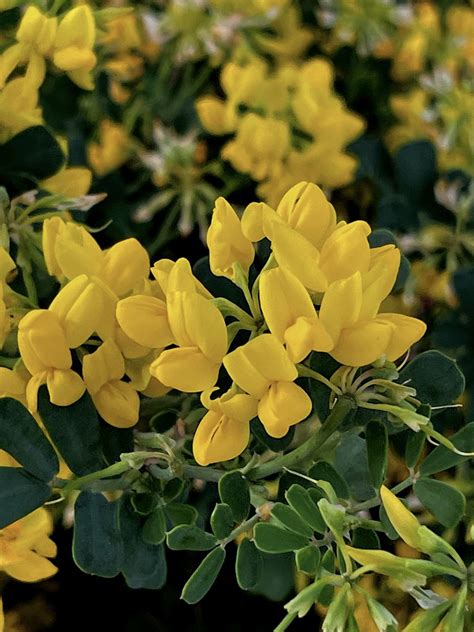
[74, 44]
[122, 34]
[200, 333]
[289, 38]
[35, 40]
[45, 353]
[70, 182]
[290, 314]
[112, 149]
[25, 546]
[19, 108]
[116, 401]
[224, 431]
[263, 369]
[226, 242]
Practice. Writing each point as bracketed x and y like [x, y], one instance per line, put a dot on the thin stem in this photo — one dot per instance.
[312, 446]
[112, 470]
[282, 626]
[242, 528]
[374, 502]
[305, 371]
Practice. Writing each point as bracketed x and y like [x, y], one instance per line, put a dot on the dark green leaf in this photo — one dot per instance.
[352, 464]
[154, 529]
[277, 577]
[442, 458]
[179, 514]
[23, 439]
[234, 491]
[415, 170]
[190, 538]
[201, 581]
[308, 559]
[115, 441]
[97, 546]
[218, 286]
[75, 432]
[20, 494]
[445, 502]
[365, 539]
[302, 502]
[437, 378]
[376, 437]
[222, 521]
[272, 539]
[326, 472]
[144, 503]
[326, 365]
[291, 520]
[173, 489]
[414, 448]
[276, 445]
[389, 530]
[248, 564]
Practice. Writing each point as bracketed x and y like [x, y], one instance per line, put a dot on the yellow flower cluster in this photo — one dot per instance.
[25, 546]
[288, 125]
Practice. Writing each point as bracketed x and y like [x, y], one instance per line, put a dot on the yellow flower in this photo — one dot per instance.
[144, 319]
[35, 40]
[290, 314]
[224, 431]
[116, 401]
[45, 353]
[177, 275]
[226, 241]
[70, 182]
[25, 546]
[263, 369]
[200, 333]
[112, 150]
[19, 108]
[403, 521]
[73, 46]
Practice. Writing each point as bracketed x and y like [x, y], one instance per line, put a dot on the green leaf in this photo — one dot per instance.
[75, 432]
[415, 170]
[414, 448]
[143, 564]
[179, 514]
[144, 503]
[20, 494]
[222, 521]
[365, 539]
[276, 445]
[446, 503]
[389, 529]
[23, 439]
[352, 463]
[308, 559]
[201, 581]
[291, 520]
[437, 378]
[190, 538]
[326, 472]
[302, 502]
[33, 154]
[248, 564]
[272, 539]
[277, 577]
[442, 458]
[234, 491]
[326, 365]
[376, 436]
[96, 547]
[154, 529]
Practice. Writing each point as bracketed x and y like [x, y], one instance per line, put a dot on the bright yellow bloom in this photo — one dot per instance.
[226, 241]
[200, 334]
[116, 401]
[403, 521]
[144, 319]
[224, 431]
[19, 108]
[25, 546]
[70, 182]
[74, 44]
[45, 353]
[111, 151]
[35, 40]
[263, 369]
[290, 314]
[177, 275]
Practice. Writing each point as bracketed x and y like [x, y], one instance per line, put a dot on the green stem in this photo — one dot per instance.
[376, 500]
[312, 446]
[245, 526]
[282, 626]
[112, 470]
[305, 371]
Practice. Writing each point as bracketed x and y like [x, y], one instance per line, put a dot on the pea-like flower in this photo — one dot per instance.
[45, 353]
[224, 431]
[263, 369]
[117, 402]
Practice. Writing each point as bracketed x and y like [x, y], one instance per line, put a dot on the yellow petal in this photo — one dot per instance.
[76, 251]
[125, 265]
[341, 304]
[239, 406]
[51, 228]
[307, 334]
[42, 342]
[74, 58]
[363, 343]
[212, 113]
[145, 320]
[257, 219]
[406, 331]
[297, 254]
[379, 280]
[185, 368]
[76, 28]
[32, 568]
[70, 182]
[64, 387]
[404, 522]
[32, 388]
[219, 438]
[102, 366]
[284, 405]
[345, 251]
[117, 403]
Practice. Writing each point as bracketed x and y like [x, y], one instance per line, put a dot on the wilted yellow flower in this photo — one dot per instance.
[224, 431]
[263, 369]
[116, 401]
[226, 242]
[45, 353]
[112, 149]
